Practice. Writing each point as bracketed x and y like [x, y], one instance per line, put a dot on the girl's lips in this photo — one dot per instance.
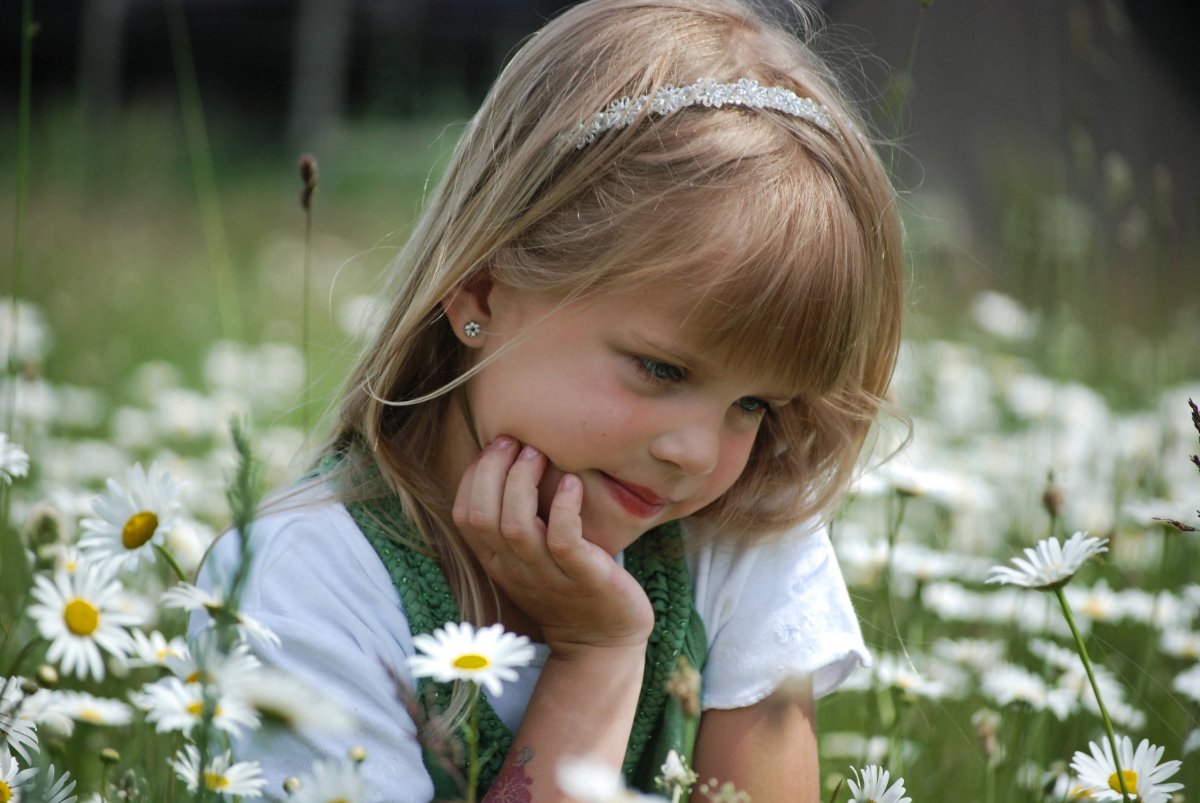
[637, 500]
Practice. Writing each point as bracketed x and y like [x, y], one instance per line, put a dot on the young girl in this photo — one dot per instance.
[633, 349]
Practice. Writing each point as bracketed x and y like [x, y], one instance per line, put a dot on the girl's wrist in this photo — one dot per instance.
[632, 651]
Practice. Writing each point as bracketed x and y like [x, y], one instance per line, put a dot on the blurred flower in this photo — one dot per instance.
[194, 598]
[1001, 316]
[1140, 769]
[186, 540]
[84, 707]
[76, 613]
[154, 649]
[131, 519]
[977, 654]
[24, 336]
[458, 651]
[12, 778]
[222, 775]
[13, 460]
[871, 786]
[1181, 643]
[45, 526]
[359, 316]
[1065, 789]
[589, 781]
[1007, 683]
[281, 699]
[42, 708]
[1187, 683]
[177, 706]
[17, 729]
[331, 782]
[1050, 564]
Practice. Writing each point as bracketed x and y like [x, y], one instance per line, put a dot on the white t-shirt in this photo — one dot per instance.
[771, 612]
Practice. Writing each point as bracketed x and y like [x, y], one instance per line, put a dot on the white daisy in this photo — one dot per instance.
[12, 778]
[1187, 682]
[194, 598]
[1050, 564]
[1008, 683]
[222, 775]
[1143, 774]
[53, 790]
[282, 699]
[132, 518]
[332, 782]
[75, 612]
[208, 664]
[460, 652]
[84, 707]
[177, 706]
[1066, 789]
[154, 649]
[13, 460]
[871, 786]
[17, 728]
[591, 782]
[42, 709]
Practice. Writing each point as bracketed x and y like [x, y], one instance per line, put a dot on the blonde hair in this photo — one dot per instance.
[788, 237]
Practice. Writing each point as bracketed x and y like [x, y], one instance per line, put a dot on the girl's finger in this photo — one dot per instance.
[564, 530]
[519, 523]
[484, 492]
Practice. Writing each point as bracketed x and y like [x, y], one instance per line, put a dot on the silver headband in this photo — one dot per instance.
[706, 92]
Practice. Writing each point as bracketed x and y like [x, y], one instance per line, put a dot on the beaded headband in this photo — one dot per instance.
[706, 92]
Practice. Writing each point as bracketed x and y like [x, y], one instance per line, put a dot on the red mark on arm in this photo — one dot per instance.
[513, 782]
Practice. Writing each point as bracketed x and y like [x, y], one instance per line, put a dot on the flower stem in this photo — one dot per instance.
[1087, 666]
[174, 564]
[472, 735]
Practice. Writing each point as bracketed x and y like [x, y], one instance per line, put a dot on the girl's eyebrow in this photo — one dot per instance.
[704, 367]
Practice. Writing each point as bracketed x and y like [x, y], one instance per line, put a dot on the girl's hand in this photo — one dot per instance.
[577, 594]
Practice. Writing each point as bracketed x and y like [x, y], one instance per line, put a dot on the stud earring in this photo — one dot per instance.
[471, 329]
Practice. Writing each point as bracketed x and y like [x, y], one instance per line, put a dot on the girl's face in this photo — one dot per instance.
[612, 390]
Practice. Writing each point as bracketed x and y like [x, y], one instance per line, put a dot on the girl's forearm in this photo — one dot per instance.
[583, 706]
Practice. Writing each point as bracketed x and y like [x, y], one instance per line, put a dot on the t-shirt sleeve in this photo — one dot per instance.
[774, 611]
[317, 583]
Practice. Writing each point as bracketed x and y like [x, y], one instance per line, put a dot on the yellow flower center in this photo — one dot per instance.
[195, 677]
[139, 529]
[215, 780]
[5, 792]
[1130, 781]
[471, 661]
[91, 715]
[197, 708]
[81, 617]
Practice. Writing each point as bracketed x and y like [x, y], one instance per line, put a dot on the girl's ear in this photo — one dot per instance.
[468, 304]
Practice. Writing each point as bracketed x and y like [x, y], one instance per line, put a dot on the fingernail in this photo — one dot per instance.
[528, 453]
[503, 442]
[569, 482]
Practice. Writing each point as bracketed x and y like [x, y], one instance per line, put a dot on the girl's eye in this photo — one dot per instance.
[658, 371]
[752, 406]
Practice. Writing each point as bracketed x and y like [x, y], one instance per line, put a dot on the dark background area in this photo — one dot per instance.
[992, 104]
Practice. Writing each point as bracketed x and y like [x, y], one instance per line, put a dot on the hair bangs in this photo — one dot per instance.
[771, 267]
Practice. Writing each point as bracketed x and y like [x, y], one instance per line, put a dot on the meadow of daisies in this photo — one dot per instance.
[168, 357]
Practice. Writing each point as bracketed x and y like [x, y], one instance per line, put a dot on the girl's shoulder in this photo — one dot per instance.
[771, 609]
[303, 539]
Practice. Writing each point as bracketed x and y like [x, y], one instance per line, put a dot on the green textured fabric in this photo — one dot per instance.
[655, 561]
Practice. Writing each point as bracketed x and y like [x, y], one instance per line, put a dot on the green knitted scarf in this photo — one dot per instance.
[655, 560]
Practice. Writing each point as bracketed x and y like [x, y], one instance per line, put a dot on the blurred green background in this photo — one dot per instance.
[1043, 149]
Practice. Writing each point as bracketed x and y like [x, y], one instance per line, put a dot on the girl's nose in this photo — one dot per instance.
[692, 445]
